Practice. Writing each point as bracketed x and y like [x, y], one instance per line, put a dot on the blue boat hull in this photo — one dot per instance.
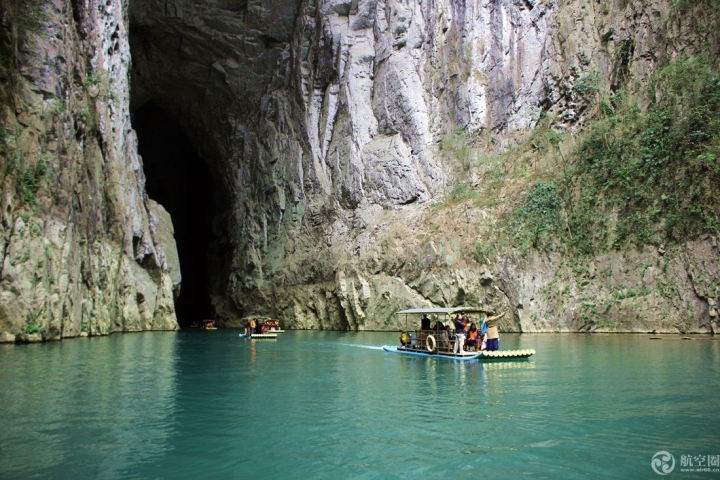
[449, 356]
[508, 355]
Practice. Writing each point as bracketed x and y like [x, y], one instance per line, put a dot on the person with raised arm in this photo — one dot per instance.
[493, 335]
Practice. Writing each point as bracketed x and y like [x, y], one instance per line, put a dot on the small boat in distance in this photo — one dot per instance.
[438, 341]
[208, 325]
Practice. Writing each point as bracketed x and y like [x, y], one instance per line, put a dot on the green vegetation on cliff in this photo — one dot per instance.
[644, 171]
[538, 220]
[652, 174]
[637, 177]
[22, 20]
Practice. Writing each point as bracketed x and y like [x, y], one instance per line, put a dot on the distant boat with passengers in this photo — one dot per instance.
[260, 327]
[208, 325]
[463, 342]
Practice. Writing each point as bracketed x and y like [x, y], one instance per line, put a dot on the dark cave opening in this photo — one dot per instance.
[179, 180]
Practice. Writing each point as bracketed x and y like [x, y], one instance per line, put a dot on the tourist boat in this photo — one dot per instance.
[208, 325]
[430, 341]
[259, 320]
[270, 334]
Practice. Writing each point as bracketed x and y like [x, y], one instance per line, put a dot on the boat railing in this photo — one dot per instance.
[444, 342]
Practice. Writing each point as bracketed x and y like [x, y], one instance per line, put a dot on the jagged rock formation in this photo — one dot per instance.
[323, 125]
[85, 252]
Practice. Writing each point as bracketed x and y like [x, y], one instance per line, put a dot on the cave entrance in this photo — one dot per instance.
[179, 180]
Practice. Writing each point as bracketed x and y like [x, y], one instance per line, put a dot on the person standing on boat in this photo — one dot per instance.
[459, 333]
[459, 325]
[493, 335]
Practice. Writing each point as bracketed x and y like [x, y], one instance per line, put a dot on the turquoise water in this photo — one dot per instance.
[207, 404]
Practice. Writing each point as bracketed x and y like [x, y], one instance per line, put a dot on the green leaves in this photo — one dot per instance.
[538, 220]
[29, 181]
[637, 177]
[654, 175]
[33, 328]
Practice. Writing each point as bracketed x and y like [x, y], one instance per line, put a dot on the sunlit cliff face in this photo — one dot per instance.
[318, 128]
[316, 112]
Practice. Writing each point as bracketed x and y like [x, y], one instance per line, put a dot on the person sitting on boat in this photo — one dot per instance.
[424, 323]
[473, 337]
[493, 335]
[405, 340]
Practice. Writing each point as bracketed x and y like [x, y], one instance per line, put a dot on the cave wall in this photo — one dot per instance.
[312, 118]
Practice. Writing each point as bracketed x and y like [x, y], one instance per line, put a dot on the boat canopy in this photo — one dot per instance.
[449, 311]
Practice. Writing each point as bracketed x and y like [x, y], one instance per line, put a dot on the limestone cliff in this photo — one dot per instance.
[84, 251]
[366, 155]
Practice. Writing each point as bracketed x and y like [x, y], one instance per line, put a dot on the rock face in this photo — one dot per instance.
[84, 250]
[325, 125]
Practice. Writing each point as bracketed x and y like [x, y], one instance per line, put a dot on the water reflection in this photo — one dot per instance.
[86, 406]
[253, 352]
[333, 405]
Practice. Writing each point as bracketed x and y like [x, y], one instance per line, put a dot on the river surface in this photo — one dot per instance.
[333, 405]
